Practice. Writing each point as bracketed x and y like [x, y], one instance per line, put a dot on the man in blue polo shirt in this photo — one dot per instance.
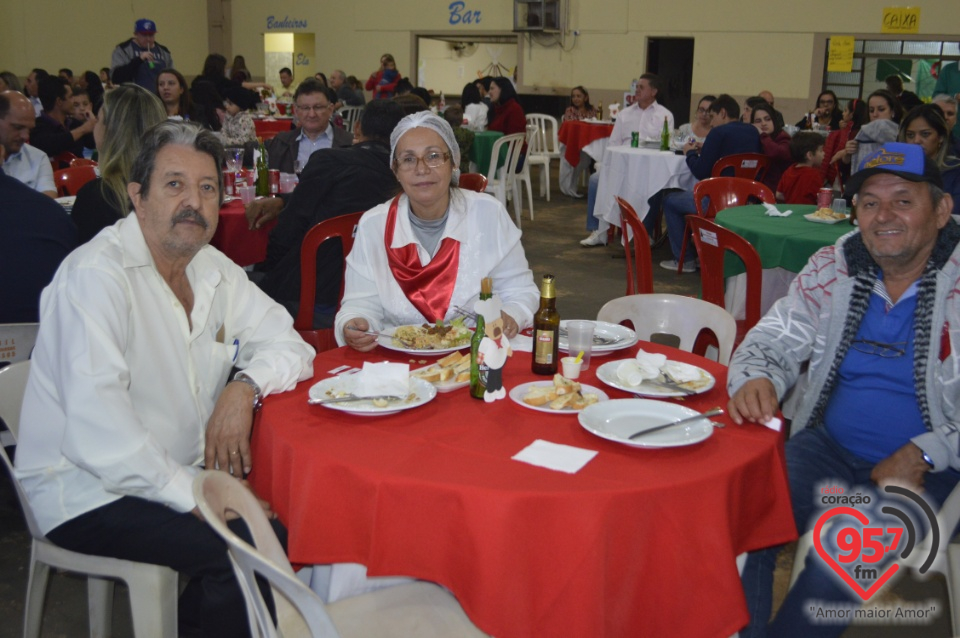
[875, 317]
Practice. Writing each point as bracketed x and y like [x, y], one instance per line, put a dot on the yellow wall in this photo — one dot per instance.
[740, 47]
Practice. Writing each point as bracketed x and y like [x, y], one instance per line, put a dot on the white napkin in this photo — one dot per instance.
[773, 211]
[646, 365]
[680, 372]
[554, 456]
[382, 379]
[774, 424]
[522, 343]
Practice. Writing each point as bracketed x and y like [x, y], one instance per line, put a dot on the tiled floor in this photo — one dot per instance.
[586, 279]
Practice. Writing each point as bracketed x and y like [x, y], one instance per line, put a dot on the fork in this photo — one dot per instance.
[466, 313]
[372, 333]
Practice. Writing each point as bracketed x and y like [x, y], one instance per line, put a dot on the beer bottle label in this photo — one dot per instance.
[543, 346]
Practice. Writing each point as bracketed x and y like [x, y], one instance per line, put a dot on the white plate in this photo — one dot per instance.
[386, 340]
[616, 420]
[608, 374]
[619, 337]
[817, 220]
[423, 392]
[518, 393]
[444, 386]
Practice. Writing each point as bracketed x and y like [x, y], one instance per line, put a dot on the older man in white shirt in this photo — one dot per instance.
[129, 393]
[645, 116]
[25, 163]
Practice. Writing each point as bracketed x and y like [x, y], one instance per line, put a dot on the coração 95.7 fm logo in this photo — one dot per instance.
[866, 549]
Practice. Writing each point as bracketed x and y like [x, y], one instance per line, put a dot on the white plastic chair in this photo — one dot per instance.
[153, 589]
[502, 180]
[416, 609]
[682, 317]
[17, 340]
[522, 177]
[350, 115]
[543, 147]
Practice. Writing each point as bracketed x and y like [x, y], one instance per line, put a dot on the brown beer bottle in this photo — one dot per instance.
[546, 330]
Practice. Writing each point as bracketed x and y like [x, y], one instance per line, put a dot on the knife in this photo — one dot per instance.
[352, 398]
[706, 415]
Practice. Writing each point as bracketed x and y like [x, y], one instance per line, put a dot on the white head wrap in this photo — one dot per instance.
[426, 119]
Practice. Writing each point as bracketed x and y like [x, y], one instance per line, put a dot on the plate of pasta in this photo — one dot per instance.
[427, 339]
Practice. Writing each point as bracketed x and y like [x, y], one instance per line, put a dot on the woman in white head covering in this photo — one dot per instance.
[423, 253]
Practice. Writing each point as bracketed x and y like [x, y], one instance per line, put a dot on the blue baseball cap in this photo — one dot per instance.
[903, 160]
[145, 26]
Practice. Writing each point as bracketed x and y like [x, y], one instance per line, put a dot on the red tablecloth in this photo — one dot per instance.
[269, 128]
[235, 239]
[576, 134]
[637, 543]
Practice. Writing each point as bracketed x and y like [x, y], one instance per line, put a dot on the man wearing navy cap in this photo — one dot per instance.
[877, 319]
[140, 59]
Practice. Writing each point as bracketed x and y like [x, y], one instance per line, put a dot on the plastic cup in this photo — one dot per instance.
[247, 194]
[571, 367]
[288, 182]
[580, 337]
[839, 205]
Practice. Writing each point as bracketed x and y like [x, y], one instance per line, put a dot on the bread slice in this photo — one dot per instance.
[565, 385]
[431, 374]
[463, 376]
[540, 395]
[564, 401]
[446, 374]
[463, 364]
[451, 359]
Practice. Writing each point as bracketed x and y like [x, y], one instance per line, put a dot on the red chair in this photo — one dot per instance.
[70, 180]
[82, 161]
[744, 165]
[343, 228]
[473, 182]
[63, 160]
[722, 193]
[639, 272]
[712, 242]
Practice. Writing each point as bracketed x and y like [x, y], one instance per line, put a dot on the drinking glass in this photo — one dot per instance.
[580, 337]
[247, 194]
[234, 158]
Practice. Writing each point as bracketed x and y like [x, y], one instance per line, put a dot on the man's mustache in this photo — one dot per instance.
[191, 215]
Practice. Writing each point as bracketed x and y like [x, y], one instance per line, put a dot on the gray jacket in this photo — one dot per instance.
[810, 325]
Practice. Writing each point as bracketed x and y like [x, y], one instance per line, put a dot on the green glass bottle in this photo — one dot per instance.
[478, 371]
[263, 171]
[665, 136]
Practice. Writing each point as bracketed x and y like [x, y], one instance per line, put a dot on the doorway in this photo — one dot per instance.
[672, 60]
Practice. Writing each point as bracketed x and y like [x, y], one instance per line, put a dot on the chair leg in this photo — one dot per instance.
[36, 593]
[153, 603]
[545, 180]
[529, 187]
[100, 606]
[517, 204]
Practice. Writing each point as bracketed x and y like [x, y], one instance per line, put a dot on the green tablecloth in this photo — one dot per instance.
[782, 242]
[482, 147]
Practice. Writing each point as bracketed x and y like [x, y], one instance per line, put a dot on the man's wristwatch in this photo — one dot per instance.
[242, 377]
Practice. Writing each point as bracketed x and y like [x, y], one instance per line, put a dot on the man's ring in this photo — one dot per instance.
[235, 452]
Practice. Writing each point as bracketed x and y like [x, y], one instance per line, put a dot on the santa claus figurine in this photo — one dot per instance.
[494, 348]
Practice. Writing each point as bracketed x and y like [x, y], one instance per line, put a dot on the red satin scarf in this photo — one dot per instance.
[428, 288]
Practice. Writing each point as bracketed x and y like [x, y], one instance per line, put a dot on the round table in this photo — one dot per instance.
[619, 548]
[234, 238]
[576, 134]
[783, 243]
[268, 127]
[636, 174]
[481, 149]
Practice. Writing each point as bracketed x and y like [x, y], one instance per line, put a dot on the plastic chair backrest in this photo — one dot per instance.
[744, 165]
[473, 182]
[82, 161]
[675, 315]
[18, 340]
[548, 142]
[13, 384]
[70, 180]
[218, 493]
[712, 242]
[350, 115]
[639, 271]
[513, 143]
[62, 160]
[726, 192]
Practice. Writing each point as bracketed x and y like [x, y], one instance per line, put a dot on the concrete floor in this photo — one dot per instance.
[586, 279]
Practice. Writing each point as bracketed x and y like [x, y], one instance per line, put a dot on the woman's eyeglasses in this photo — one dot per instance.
[430, 160]
[885, 350]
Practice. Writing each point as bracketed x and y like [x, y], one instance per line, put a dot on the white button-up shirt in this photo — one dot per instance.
[648, 121]
[30, 166]
[121, 386]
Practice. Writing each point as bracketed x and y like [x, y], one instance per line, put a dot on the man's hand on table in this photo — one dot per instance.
[904, 467]
[755, 401]
[355, 338]
[228, 431]
[510, 327]
[260, 211]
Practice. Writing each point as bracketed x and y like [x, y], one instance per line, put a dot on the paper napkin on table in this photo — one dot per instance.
[681, 372]
[773, 211]
[522, 343]
[646, 365]
[382, 379]
[555, 456]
